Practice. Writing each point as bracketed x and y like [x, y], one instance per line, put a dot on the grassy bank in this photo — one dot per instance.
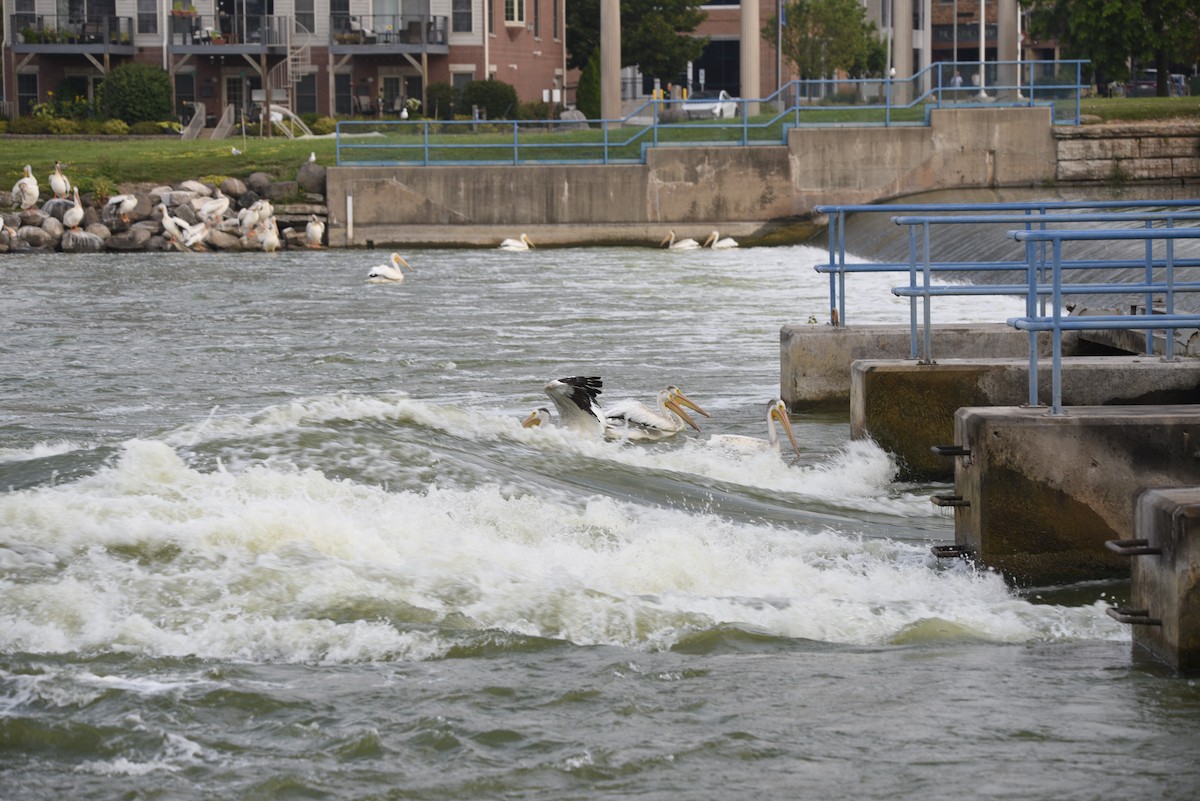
[106, 164]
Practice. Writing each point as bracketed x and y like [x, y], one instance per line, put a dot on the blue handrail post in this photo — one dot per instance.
[1169, 344]
[840, 312]
[516, 142]
[887, 103]
[928, 299]
[604, 128]
[1031, 306]
[1149, 293]
[1056, 333]
[425, 143]
[912, 301]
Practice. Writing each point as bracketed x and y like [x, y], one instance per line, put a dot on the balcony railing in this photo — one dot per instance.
[66, 32]
[252, 31]
[418, 30]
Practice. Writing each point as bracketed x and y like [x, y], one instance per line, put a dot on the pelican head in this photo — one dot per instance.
[525, 238]
[777, 411]
[538, 417]
[667, 240]
[675, 400]
[398, 260]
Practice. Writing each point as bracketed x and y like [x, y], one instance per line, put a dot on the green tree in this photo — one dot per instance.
[587, 93]
[656, 35]
[136, 93]
[1109, 33]
[821, 36]
[495, 98]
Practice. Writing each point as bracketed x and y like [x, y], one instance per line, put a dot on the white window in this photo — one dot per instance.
[514, 13]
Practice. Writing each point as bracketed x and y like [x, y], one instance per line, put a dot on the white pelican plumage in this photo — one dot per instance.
[670, 243]
[59, 184]
[196, 233]
[537, 418]
[715, 242]
[249, 217]
[388, 273]
[25, 191]
[120, 207]
[314, 232]
[269, 235]
[635, 421]
[776, 412]
[575, 399]
[73, 216]
[172, 226]
[520, 243]
[213, 210]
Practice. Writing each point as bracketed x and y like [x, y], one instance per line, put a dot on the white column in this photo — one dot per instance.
[749, 50]
[610, 59]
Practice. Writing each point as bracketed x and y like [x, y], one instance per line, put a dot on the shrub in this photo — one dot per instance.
[441, 99]
[62, 127]
[136, 93]
[145, 128]
[29, 125]
[114, 128]
[495, 99]
[536, 110]
[587, 92]
[323, 125]
[3, 126]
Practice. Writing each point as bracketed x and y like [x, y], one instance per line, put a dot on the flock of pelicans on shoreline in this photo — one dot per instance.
[577, 400]
[255, 225]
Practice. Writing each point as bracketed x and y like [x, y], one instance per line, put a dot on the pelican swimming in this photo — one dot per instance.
[314, 232]
[59, 184]
[715, 242]
[578, 408]
[635, 421]
[25, 191]
[388, 273]
[670, 243]
[521, 243]
[120, 206]
[73, 216]
[776, 412]
[537, 418]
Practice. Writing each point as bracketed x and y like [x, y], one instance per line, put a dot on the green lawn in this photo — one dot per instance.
[106, 163]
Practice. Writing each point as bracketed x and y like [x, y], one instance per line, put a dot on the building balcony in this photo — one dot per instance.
[381, 34]
[64, 34]
[191, 33]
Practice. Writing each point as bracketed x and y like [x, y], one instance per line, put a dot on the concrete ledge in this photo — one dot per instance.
[1041, 494]
[1164, 608]
[815, 360]
[909, 407]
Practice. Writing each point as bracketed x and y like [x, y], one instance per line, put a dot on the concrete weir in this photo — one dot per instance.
[1164, 609]
[1037, 495]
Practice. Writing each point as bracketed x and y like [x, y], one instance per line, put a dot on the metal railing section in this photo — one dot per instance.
[741, 121]
[1054, 321]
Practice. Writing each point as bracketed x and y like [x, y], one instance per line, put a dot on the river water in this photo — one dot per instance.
[271, 532]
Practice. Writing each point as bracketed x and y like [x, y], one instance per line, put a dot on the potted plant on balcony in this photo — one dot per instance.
[181, 8]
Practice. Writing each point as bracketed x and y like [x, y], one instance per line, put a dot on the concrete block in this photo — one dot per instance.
[908, 407]
[1041, 494]
[1164, 608]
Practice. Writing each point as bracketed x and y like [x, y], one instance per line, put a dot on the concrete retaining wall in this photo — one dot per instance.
[1150, 151]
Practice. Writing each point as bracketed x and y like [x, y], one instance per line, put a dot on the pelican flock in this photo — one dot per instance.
[715, 242]
[390, 272]
[776, 413]
[671, 243]
[520, 243]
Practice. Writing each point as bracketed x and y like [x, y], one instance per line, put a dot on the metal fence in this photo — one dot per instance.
[741, 122]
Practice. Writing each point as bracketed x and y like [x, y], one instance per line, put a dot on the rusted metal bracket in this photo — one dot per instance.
[1134, 617]
[951, 551]
[950, 450]
[1139, 547]
[949, 500]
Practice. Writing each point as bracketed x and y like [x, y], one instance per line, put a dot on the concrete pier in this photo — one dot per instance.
[909, 407]
[1037, 496]
[1164, 609]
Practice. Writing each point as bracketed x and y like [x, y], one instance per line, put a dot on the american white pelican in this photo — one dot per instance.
[715, 242]
[73, 216]
[120, 207]
[776, 412]
[575, 399]
[249, 217]
[635, 421]
[670, 243]
[172, 226]
[388, 273]
[59, 184]
[521, 243]
[265, 209]
[196, 234]
[214, 209]
[537, 418]
[314, 232]
[269, 235]
[25, 191]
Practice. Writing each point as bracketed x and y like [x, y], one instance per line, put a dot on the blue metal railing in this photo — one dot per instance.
[1055, 323]
[1025, 214]
[755, 121]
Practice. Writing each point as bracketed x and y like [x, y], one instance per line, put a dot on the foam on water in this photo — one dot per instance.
[279, 563]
